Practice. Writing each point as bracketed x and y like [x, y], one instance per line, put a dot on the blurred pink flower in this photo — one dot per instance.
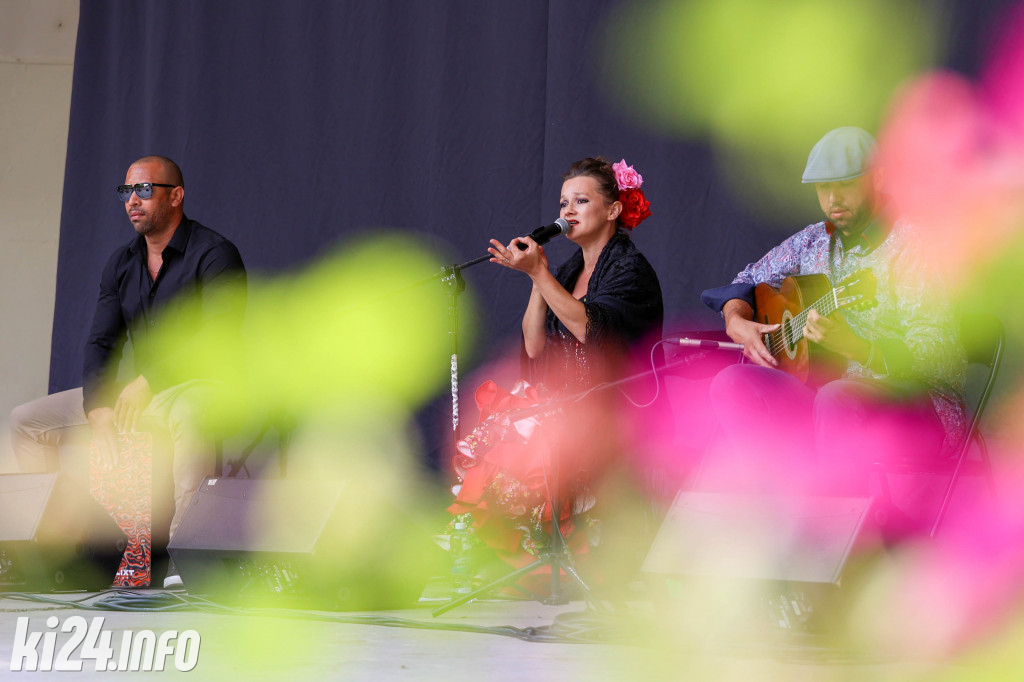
[961, 586]
[951, 156]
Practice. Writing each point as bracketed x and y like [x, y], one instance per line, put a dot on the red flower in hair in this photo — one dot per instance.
[635, 207]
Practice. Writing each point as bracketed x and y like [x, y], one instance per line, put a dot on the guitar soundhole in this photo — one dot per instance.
[790, 334]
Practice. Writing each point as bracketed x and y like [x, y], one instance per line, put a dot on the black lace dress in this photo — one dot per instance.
[624, 305]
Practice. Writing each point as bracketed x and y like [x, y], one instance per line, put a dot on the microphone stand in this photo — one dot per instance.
[558, 557]
[451, 279]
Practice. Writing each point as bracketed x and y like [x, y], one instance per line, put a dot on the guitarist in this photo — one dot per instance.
[902, 387]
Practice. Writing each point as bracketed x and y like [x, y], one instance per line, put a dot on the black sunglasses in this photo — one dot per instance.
[143, 189]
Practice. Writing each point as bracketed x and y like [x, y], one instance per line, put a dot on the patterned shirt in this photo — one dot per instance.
[912, 322]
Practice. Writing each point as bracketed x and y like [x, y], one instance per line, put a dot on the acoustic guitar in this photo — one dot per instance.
[788, 306]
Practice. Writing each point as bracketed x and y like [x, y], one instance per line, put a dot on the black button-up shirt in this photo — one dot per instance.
[195, 260]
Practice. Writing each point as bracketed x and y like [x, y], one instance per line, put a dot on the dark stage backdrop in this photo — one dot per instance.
[299, 123]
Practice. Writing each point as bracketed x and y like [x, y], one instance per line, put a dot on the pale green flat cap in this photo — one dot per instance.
[843, 153]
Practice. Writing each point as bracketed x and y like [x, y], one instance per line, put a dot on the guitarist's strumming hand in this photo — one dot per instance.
[835, 334]
[741, 328]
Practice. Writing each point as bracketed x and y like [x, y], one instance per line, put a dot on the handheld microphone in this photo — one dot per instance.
[706, 344]
[542, 235]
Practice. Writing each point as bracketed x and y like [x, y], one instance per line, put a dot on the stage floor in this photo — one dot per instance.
[408, 645]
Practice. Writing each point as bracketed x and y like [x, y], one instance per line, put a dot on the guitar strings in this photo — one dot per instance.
[826, 305]
[778, 337]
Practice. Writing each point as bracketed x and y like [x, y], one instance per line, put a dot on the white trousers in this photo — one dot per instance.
[40, 428]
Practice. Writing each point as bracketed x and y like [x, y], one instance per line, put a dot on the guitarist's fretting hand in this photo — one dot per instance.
[741, 328]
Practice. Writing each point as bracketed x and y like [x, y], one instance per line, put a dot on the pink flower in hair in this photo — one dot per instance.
[626, 176]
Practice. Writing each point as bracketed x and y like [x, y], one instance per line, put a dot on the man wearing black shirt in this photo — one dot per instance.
[171, 259]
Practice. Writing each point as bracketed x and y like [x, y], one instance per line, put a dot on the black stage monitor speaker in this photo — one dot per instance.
[302, 543]
[55, 536]
[767, 537]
